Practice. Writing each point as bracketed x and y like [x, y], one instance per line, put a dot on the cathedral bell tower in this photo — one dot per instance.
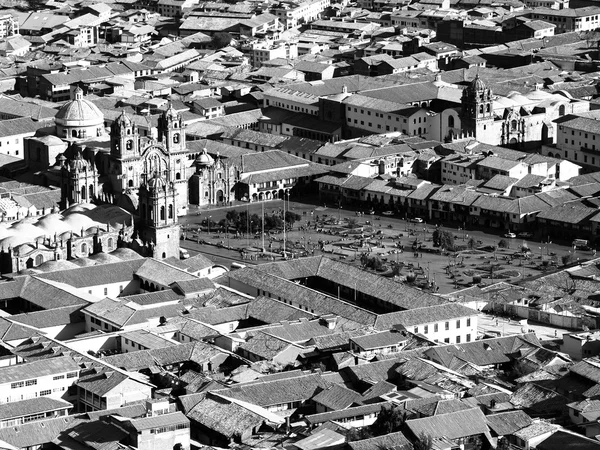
[171, 131]
[79, 180]
[124, 137]
[159, 226]
[477, 113]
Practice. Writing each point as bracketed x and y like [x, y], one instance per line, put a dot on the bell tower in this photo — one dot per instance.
[79, 181]
[124, 137]
[158, 217]
[477, 113]
[171, 131]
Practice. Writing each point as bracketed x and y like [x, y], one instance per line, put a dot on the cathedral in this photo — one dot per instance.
[154, 176]
[515, 120]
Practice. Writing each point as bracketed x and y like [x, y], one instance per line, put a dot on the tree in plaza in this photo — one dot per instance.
[233, 217]
[502, 243]
[255, 223]
[364, 260]
[443, 238]
[435, 236]
[292, 217]
[472, 243]
[273, 222]
[566, 259]
[352, 223]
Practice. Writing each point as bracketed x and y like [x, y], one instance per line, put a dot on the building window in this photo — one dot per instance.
[469, 322]
[447, 325]
[45, 392]
[458, 339]
[458, 323]
[468, 338]
[435, 328]
[31, 382]
[17, 385]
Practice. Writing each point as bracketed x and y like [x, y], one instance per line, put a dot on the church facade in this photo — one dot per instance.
[516, 120]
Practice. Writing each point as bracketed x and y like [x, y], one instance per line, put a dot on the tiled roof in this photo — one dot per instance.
[96, 275]
[37, 433]
[37, 369]
[509, 422]
[336, 397]
[32, 406]
[163, 420]
[379, 340]
[484, 352]
[452, 426]
[100, 380]
[276, 391]
[161, 273]
[423, 316]
[226, 418]
[396, 441]
[270, 310]
[264, 345]
[50, 317]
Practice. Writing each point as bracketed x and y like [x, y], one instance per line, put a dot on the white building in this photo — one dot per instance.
[292, 14]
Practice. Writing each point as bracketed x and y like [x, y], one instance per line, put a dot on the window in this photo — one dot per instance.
[435, 328]
[458, 323]
[416, 329]
[45, 392]
[426, 329]
[105, 291]
[458, 339]
[447, 340]
[58, 377]
[469, 322]
[72, 375]
[17, 385]
[468, 338]
[447, 326]
[31, 382]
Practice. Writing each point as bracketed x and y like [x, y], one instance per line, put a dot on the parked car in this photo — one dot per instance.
[510, 235]
[388, 213]
[525, 234]
[416, 220]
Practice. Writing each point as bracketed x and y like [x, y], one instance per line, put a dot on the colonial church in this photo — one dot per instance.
[154, 176]
[516, 120]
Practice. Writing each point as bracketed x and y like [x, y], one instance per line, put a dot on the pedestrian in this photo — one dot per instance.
[555, 333]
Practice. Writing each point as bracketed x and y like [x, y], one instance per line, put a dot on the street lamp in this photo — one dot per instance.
[209, 217]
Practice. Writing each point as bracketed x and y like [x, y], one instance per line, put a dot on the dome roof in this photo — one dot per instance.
[79, 163]
[156, 183]
[204, 159]
[477, 84]
[79, 112]
[170, 113]
[123, 120]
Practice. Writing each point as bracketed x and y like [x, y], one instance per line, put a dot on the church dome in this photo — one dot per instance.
[79, 112]
[123, 120]
[79, 164]
[156, 183]
[170, 113]
[477, 85]
[204, 159]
